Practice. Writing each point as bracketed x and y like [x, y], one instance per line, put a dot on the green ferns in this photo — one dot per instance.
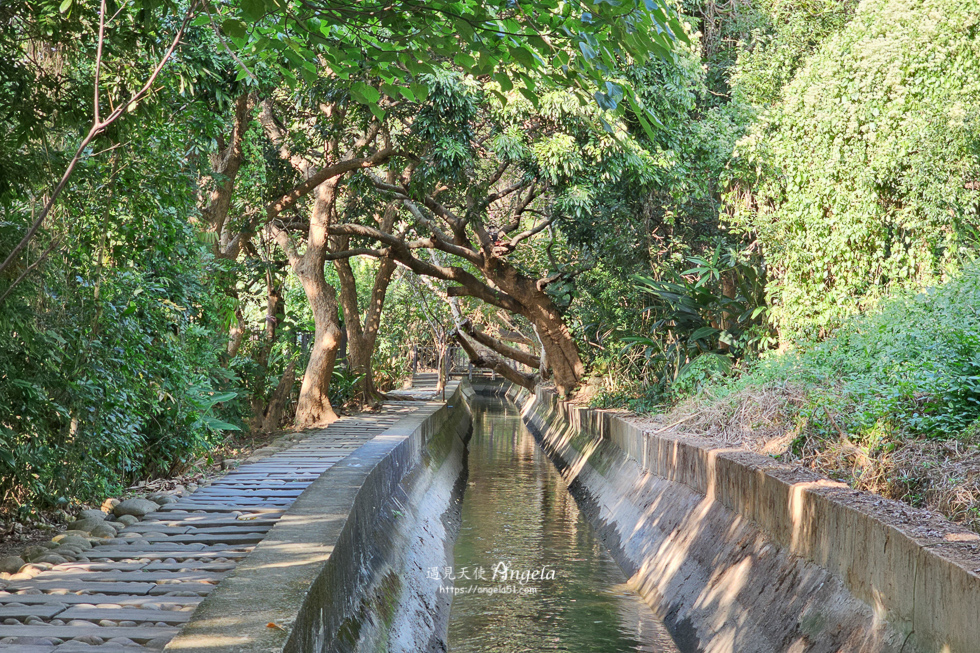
[863, 173]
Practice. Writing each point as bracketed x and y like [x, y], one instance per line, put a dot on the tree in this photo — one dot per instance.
[344, 149]
[108, 358]
[362, 334]
[489, 179]
[573, 46]
[101, 121]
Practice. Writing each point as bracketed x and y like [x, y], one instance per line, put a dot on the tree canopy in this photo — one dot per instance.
[253, 214]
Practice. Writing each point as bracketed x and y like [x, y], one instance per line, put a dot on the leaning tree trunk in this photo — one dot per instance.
[559, 346]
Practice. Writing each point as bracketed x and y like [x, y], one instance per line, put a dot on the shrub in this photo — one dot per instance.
[911, 367]
[865, 171]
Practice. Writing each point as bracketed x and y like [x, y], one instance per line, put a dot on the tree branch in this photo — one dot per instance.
[536, 229]
[400, 251]
[532, 193]
[98, 126]
[523, 357]
[499, 195]
[357, 251]
[495, 364]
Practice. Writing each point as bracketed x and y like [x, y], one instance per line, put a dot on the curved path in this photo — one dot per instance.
[135, 591]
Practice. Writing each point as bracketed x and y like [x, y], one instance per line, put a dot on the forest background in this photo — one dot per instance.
[761, 223]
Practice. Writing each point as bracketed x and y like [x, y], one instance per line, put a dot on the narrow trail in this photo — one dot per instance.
[135, 591]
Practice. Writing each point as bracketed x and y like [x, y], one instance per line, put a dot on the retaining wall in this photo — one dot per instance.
[740, 553]
[341, 571]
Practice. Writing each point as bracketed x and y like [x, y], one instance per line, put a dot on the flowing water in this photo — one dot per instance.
[518, 514]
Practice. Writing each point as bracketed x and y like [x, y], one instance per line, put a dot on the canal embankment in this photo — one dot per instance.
[734, 552]
[343, 569]
[739, 552]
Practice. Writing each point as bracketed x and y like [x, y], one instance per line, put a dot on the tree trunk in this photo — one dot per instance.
[362, 336]
[314, 407]
[359, 349]
[267, 415]
[556, 340]
[225, 164]
[495, 364]
[524, 358]
[236, 335]
[442, 346]
[280, 397]
[559, 347]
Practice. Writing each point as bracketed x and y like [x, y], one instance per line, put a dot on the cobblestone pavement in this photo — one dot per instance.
[135, 591]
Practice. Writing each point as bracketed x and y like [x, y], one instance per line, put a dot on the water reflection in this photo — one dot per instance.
[517, 512]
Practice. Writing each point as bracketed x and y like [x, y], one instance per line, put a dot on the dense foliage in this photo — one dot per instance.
[146, 309]
[910, 366]
[865, 167]
[660, 199]
[109, 359]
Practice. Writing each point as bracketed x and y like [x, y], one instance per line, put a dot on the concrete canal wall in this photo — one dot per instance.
[739, 553]
[343, 570]
[736, 552]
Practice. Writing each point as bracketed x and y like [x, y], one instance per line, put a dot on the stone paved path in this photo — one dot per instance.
[135, 591]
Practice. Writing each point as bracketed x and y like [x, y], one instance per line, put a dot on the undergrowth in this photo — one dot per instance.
[909, 368]
[890, 403]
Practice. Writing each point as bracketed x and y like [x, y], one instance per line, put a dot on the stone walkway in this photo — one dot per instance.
[135, 591]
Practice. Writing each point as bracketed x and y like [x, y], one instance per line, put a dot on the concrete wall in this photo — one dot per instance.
[740, 553]
[340, 571]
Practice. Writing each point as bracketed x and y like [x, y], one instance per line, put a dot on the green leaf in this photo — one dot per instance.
[500, 96]
[65, 6]
[390, 90]
[420, 90]
[365, 93]
[524, 57]
[253, 10]
[219, 425]
[417, 67]
[530, 95]
[464, 61]
[308, 75]
[464, 28]
[234, 28]
[505, 82]
[704, 332]
[407, 93]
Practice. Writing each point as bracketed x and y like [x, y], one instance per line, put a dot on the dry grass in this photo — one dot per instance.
[939, 475]
[760, 420]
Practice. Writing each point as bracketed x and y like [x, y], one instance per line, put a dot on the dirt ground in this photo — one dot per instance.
[940, 476]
